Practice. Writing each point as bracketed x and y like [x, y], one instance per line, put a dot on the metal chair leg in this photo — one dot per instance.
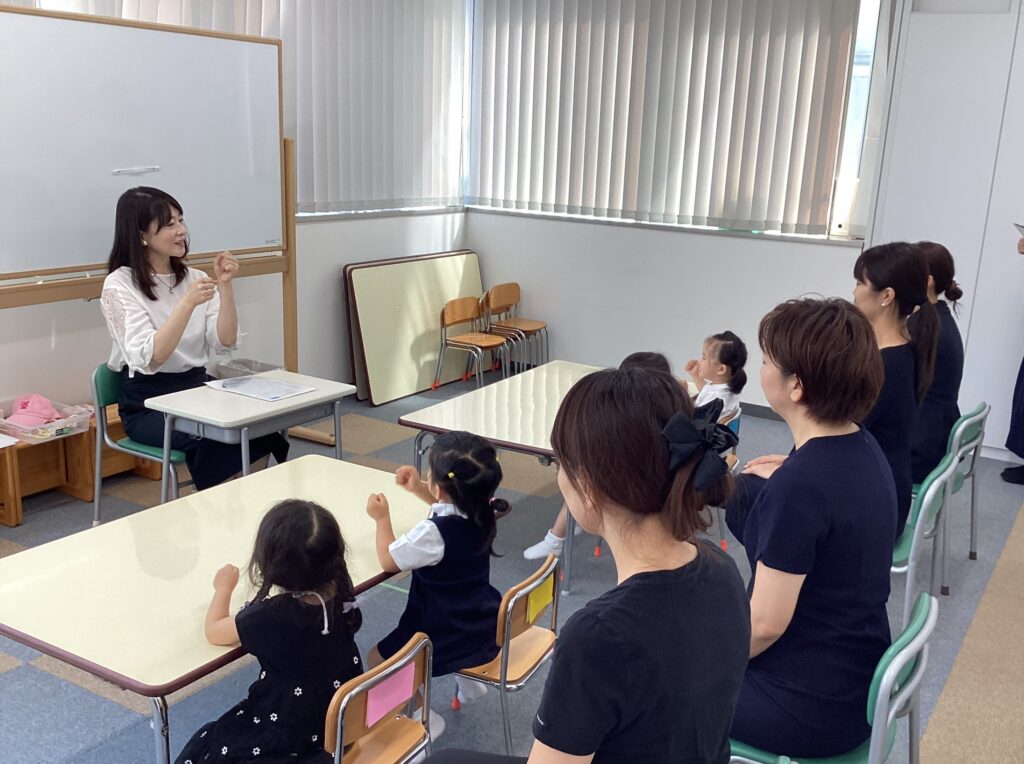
[914, 728]
[97, 479]
[437, 374]
[505, 718]
[944, 550]
[973, 554]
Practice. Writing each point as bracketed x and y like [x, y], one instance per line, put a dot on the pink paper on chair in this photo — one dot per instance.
[389, 694]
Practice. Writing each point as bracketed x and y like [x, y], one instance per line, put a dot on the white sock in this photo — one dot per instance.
[550, 544]
[469, 690]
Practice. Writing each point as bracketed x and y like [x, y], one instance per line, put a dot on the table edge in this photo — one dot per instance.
[508, 446]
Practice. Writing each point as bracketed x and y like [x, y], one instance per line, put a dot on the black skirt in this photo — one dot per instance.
[209, 461]
[1015, 439]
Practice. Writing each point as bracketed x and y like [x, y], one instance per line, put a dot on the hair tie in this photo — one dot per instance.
[451, 476]
[702, 435]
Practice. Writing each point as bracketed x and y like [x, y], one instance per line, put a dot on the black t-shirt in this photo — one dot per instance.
[892, 420]
[651, 670]
[829, 512]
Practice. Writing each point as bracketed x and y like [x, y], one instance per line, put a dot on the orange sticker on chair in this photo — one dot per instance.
[389, 694]
[539, 599]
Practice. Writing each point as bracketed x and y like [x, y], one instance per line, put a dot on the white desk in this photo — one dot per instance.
[127, 600]
[516, 414]
[233, 418]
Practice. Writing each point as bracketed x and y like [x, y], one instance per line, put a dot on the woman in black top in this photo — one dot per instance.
[1015, 438]
[651, 670]
[892, 283]
[940, 408]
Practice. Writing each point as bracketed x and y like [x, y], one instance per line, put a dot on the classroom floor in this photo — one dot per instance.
[971, 695]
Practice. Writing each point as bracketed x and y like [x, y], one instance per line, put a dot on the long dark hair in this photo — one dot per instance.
[733, 353]
[899, 267]
[136, 210]
[942, 269]
[299, 548]
[466, 467]
[608, 439]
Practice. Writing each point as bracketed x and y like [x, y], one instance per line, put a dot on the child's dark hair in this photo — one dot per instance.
[299, 548]
[136, 210]
[646, 359]
[942, 269]
[899, 266]
[466, 467]
[631, 407]
[733, 353]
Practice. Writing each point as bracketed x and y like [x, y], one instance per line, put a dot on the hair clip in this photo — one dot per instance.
[451, 476]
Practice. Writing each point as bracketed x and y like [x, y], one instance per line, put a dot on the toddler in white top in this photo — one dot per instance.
[719, 372]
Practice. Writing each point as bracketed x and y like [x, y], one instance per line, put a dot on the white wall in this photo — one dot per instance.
[324, 248]
[609, 290]
[952, 173]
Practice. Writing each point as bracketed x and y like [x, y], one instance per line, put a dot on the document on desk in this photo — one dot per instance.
[7, 440]
[260, 388]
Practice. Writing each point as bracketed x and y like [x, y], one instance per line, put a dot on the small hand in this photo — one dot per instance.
[377, 506]
[201, 291]
[691, 366]
[226, 579]
[407, 477]
[225, 266]
[1020, 245]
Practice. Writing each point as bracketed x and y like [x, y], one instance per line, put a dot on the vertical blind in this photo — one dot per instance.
[709, 112]
[373, 89]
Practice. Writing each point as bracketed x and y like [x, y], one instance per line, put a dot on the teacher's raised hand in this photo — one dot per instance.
[225, 266]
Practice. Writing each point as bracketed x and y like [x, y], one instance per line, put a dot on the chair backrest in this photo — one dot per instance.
[967, 434]
[926, 505]
[502, 297]
[733, 422]
[459, 311]
[105, 384]
[898, 675]
[371, 699]
[523, 604]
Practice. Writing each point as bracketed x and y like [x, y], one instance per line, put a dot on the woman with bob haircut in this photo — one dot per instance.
[650, 670]
[164, 319]
[818, 537]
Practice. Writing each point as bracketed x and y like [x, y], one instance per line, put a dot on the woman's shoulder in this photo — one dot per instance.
[120, 278]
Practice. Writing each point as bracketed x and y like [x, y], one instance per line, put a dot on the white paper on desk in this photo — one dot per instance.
[260, 388]
[7, 440]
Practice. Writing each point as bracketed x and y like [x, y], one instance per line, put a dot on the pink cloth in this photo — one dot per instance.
[33, 410]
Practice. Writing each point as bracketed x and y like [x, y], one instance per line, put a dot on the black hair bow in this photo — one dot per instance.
[701, 434]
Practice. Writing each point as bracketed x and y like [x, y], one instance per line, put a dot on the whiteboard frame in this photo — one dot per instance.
[88, 268]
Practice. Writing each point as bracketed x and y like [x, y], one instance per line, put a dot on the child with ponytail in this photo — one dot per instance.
[719, 372]
[450, 595]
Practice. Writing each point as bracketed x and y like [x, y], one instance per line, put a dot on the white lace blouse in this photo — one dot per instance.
[133, 319]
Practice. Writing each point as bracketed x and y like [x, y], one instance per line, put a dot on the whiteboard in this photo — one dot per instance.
[80, 99]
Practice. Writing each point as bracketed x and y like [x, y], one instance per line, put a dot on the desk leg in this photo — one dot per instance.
[570, 538]
[160, 736]
[245, 451]
[337, 430]
[419, 450]
[166, 466]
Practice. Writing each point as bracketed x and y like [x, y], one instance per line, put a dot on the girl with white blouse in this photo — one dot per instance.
[164, 318]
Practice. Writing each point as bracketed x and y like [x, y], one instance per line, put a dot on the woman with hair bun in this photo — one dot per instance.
[940, 409]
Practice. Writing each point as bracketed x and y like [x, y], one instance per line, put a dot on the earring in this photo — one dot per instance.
[145, 243]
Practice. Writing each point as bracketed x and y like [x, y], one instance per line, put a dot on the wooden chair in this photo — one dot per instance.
[366, 720]
[501, 309]
[105, 385]
[466, 310]
[524, 645]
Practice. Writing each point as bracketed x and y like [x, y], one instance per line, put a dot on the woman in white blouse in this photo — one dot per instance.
[164, 319]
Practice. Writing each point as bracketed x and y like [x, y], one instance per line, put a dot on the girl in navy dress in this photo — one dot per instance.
[940, 408]
[450, 597]
[303, 637]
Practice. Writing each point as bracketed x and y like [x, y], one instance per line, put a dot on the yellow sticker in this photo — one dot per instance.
[539, 599]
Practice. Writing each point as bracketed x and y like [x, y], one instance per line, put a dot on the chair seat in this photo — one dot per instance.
[528, 650]
[391, 741]
[527, 325]
[177, 457]
[477, 339]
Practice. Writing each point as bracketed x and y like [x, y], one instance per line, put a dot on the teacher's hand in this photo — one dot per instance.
[201, 291]
[225, 265]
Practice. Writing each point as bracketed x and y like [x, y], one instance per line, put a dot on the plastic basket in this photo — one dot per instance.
[74, 419]
[244, 367]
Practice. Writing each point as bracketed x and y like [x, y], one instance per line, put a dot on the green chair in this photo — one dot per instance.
[105, 384]
[925, 521]
[965, 440]
[893, 694]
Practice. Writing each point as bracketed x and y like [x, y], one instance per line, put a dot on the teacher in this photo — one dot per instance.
[164, 318]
